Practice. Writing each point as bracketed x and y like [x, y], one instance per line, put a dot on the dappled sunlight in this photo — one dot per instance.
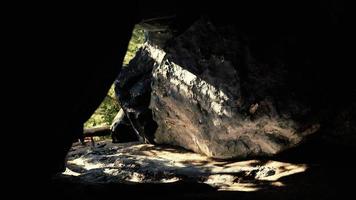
[227, 182]
[243, 176]
[69, 172]
[144, 163]
[183, 80]
[283, 169]
[204, 113]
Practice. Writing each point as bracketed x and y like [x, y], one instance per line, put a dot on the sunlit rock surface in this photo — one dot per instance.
[210, 95]
[144, 163]
[226, 93]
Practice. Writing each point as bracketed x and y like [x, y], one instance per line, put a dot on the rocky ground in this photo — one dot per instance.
[137, 170]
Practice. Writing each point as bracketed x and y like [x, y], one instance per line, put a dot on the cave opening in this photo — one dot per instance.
[210, 106]
[126, 160]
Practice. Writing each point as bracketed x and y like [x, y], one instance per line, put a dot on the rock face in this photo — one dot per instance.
[211, 96]
[240, 85]
[122, 130]
[227, 93]
[133, 89]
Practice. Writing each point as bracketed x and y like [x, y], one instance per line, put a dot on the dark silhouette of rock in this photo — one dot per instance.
[75, 53]
[122, 130]
[133, 89]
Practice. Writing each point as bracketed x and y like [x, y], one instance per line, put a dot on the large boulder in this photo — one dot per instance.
[242, 84]
[213, 93]
[228, 93]
[210, 95]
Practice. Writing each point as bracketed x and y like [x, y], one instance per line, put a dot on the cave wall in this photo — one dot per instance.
[72, 55]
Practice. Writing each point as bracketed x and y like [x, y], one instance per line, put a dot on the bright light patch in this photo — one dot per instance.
[143, 163]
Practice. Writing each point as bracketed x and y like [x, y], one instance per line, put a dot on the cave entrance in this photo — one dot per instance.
[97, 127]
[149, 168]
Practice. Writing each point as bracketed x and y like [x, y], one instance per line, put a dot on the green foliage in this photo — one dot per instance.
[137, 39]
[106, 112]
[108, 109]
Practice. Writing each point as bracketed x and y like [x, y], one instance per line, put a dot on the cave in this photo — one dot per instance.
[223, 100]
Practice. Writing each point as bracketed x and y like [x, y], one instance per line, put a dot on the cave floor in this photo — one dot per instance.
[136, 170]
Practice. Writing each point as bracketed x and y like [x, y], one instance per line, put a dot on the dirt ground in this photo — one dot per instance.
[133, 170]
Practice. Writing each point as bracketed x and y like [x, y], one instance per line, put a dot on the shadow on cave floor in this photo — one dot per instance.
[138, 170]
